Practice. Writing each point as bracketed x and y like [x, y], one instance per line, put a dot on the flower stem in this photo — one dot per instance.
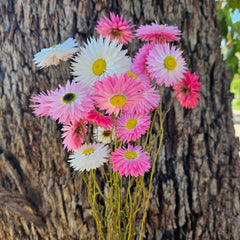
[153, 169]
[130, 202]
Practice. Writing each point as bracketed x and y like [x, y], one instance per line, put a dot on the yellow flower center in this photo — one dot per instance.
[134, 76]
[131, 123]
[118, 100]
[53, 46]
[130, 154]
[99, 66]
[69, 97]
[100, 114]
[170, 63]
[88, 151]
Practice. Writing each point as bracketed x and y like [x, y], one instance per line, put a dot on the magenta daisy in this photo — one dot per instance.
[149, 100]
[74, 134]
[115, 28]
[139, 65]
[165, 64]
[158, 33]
[130, 126]
[100, 119]
[43, 106]
[70, 103]
[131, 160]
[187, 90]
[115, 94]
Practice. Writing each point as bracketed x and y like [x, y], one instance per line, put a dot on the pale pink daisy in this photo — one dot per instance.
[165, 64]
[115, 94]
[158, 33]
[89, 156]
[139, 65]
[74, 134]
[43, 106]
[149, 100]
[187, 90]
[115, 28]
[130, 126]
[131, 160]
[100, 119]
[70, 103]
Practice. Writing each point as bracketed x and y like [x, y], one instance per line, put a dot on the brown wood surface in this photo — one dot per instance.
[197, 181]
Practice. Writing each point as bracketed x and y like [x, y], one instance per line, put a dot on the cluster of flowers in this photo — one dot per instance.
[114, 92]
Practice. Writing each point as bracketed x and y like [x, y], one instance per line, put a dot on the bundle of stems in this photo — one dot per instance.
[120, 209]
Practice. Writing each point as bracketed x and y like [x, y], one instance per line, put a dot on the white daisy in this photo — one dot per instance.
[53, 55]
[103, 135]
[89, 156]
[99, 58]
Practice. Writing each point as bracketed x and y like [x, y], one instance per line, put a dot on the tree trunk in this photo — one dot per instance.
[196, 182]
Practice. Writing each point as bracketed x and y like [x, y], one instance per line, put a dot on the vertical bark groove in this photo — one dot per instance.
[196, 183]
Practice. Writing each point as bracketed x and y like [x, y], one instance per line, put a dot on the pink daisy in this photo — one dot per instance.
[115, 94]
[115, 28]
[158, 33]
[100, 119]
[130, 126]
[187, 90]
[131, 160]
[149, 100]
[165, 64]
[139, 64]
[44, 101]
[70, 103]
[142, 78]
[74, 134]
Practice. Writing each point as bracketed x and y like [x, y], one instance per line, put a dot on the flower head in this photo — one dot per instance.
[131, 160]
[70, 103]
[139, 64]
[53, 55]
[98, 59]
[165, 64]
[103, 135]
[149, 100]
[74, 134]
[140, 78]
[158, 33]
[89, 156]
[100, 119]
[187, 90]
[115, 94]
[130, 126]
[115, 28]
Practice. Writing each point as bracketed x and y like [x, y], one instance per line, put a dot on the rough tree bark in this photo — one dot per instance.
[196, 183]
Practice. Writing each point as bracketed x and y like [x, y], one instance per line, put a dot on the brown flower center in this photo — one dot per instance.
[116, 32]
[185, 89]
